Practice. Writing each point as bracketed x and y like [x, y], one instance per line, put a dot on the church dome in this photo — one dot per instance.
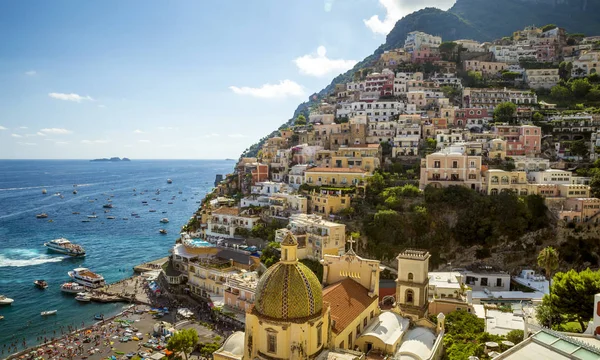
[289, 291]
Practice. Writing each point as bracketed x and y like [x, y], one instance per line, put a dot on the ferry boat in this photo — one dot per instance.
[169, 181]
[72, 288]
[83, 297]
[66, 247]
[164, 220]
[5, 301]
[87, 278]
[41, 216]
[41, 284]
[163, 231]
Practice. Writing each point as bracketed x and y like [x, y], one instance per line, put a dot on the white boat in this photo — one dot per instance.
[41, 216]
[111, 217]
[83, 297]
[44, 191]
[5, 301]
[87, 278]
[72, 288]
[169, 181]
[50, 312]
[152, 210]
[66, 247]
[164, 220]
[92, 216]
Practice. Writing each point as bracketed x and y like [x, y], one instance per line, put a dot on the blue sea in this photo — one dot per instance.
[113, 246]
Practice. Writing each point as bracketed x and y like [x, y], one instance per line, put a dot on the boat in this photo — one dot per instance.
[87, 278]
[164, 212]
[41, 216]
[144, 202]
[5, 301]
[107, 206]
[72, 288]
[151, 210]
[163, 231]
[92, 216]
[75, 192]
[1, 317]
[169, 181]
[44, 191]
[99, 317]
[111, 217]
[125, 218]
[170, 202]
[50, 312]
[164, 220]
[66, 247]
[75, 213]
[42, 284]
[83, 297]
[180, 192]
[85, 220]
[134, 214]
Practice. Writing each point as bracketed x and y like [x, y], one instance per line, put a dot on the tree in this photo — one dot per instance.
[538, 117]
[505, 112]
[300, 120]
[579, 148]
[510, 75]
[559, 92]
[184, 341]
[580, 87]
[515, 336]
[548, 260]
[564, 70]
[207, 349]
[548, 27]
[595, 185]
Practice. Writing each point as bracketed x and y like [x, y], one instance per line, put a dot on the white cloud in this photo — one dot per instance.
[69, 97]
[284, 89]
[328, 5]
[144, 141]
[102, 106]
[39, 133]
[26, 143]
[128, 146]
[23, 127]
[396, 9]
[61, 142]
[211, 135]
[320, 65]
[138, 131]
[56, 131]
[30, 73]
[167, 128]
[100, 141]
[16, 135]
[2, 128]
[168, 145]
[236, 135]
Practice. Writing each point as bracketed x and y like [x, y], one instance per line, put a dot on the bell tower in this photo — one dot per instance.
[412, 283]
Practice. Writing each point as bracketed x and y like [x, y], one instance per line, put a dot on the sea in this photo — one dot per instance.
[113, 246]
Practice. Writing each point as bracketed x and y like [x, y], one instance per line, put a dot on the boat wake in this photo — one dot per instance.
[25, 257]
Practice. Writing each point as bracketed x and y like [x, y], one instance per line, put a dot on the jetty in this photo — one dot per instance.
[150, 265]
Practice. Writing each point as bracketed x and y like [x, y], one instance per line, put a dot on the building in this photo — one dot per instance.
[413, 283]
[523, 140]
[316, 236]
[470, 45]
[513, 54]
[471, 118]
[341, 177]
[588, 63]
[240, 291]
[415, 40]
[541, 78]
[446, 168]
[326, 202]
[580, 210]
[486, 68]
[393, 58]
[480, 277]
[366, 157]
[225, 221]
[407, 140]
[490, 98]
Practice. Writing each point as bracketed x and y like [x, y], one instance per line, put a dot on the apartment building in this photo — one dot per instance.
[471, 117]
[486, 68]
[580, 210]
[541, 78]
[316, 236]
[407, 140]
[446, 168]
[483, 277]
[521, 140]
[415, 40]
[366, 157]
[470, 45]
[490, 98]
[325, 202]
[340, 177]
[240, 291]
[224, 221]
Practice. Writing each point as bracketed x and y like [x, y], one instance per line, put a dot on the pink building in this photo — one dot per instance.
[447, 168]
[375, 82]
[425, 54]
[471, 116]
[521, 140]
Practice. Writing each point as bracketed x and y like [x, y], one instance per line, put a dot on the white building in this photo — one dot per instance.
[224, 221]
[470, 45]
[541, 78]
[482, 278]
[417, 39]
[550, 176]
[296, 175]
[513, 54]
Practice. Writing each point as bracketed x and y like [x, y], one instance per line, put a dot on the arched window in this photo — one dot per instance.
[410, 277]
[494, 192]
[409, 297]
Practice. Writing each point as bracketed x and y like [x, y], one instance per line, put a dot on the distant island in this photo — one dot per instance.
[112, 159]
[229, 159]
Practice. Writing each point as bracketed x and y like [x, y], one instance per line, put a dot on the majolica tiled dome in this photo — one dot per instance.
[289, 290]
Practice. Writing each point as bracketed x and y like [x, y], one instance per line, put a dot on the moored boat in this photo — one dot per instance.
[83, 297]
[74, 192]
[99, 317]
[49, 312]
[41, 216]
[87, 278]
[169, 181]
[66, 247]
[163, 231]
[41, 284]
[151, 210]
[92, 216]
[111, 217]
[72, 288]
[5, 301]
[107, 206]
[44, 191]
[164, 220]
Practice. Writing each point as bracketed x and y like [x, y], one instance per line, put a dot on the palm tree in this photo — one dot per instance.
[548, 260]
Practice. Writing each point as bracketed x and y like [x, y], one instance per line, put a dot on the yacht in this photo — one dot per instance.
[72, 288]
[169, 181]
[85, 220]
[5, 301]
[164, 220]
[134, 214]
[87, 278]
[83, 297]
[66, 247]
[111, 217]
[41, 216]
[42, 284]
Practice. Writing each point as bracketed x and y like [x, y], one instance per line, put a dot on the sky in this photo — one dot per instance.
[182, 79]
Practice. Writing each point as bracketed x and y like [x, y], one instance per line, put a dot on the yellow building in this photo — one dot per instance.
[316, 237]
[329, 201]
[497, 149]
[341, 177]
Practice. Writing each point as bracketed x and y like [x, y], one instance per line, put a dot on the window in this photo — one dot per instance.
[319, 335]
[484, 282]
[455, 164]
[410, 277]
[342, 345]
[472, 177]
[357, 330]
[436, 164]
[409, 297]
[350, 338]
[499, 282]
[365, 322]
[272, 343]
[371, 315]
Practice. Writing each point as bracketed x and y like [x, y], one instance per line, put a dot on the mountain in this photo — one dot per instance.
[481, 20]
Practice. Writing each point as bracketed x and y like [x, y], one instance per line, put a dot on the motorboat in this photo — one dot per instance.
[169, 181]
[99, 317]
[83, 297]
[1, 317]
[151, 210]
[44, 191]
[87, 278]
[92, 216]
[162, 231]
[125, 218]
[164, 212]
[107, 206]
[41, 284]
[74, 192]
[134, 214]
[144, 202]
[41, 216]
[66, 247]
[75, 213]
[85, 220]
[72, 288]
[164, 220]
[50, 312]
[111, 217]
[5, 301]
[170, 202]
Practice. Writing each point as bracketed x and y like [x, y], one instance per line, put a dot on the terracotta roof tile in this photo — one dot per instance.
[224, 210]
[347, 299]
[336, 170]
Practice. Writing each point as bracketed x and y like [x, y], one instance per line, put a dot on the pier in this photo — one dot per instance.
[150, 265]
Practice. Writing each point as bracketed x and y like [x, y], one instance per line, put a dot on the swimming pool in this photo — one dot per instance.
[198, 243]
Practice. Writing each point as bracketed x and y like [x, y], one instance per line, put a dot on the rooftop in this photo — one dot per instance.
[387, 327]
[337, 170]
[551, 345]
[347, 299]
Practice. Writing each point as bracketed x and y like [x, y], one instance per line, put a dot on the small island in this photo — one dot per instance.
[112, 159]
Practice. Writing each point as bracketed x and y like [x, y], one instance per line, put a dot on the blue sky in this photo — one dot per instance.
[172, 79]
